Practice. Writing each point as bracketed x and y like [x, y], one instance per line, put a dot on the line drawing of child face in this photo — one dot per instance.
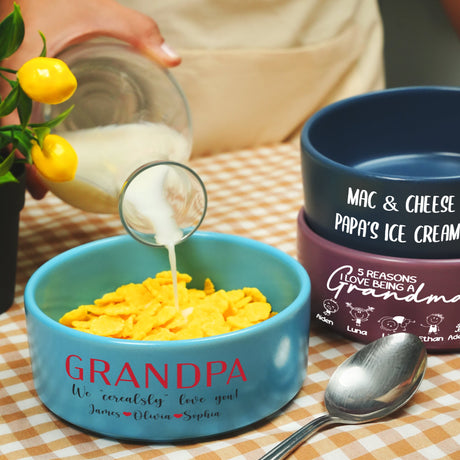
[330, 306]
[434, 319]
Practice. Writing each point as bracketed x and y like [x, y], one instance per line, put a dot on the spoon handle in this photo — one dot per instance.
[284, 448]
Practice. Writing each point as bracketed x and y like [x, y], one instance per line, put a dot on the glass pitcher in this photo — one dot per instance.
[128, 111]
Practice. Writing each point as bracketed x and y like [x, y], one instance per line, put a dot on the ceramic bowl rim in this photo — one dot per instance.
[32, 308]
[336, 248]
[307, 147]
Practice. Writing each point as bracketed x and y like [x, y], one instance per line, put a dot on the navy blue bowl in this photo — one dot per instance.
[381, 172]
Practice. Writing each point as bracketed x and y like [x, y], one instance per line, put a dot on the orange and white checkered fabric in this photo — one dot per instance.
[254, 193]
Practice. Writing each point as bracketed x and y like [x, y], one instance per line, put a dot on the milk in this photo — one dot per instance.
[147, 209]
[108, 155]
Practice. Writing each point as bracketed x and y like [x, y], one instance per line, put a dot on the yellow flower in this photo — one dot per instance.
[56, 160]
[47, 80]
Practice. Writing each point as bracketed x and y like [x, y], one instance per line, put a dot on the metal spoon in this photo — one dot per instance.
[371, 384]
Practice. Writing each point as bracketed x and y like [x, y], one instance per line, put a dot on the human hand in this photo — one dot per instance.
[64, 23]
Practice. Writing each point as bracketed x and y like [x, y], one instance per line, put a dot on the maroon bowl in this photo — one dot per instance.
[365, 296]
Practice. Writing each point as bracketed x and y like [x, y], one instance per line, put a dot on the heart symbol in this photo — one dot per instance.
[178, 415]
[127, 414]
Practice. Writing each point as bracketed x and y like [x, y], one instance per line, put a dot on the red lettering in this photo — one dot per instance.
[237, 365]
[209, 373]
[132, 378]
[79, 369]
[163, 381]
[102, 372]
[188, 374]
[180, 382]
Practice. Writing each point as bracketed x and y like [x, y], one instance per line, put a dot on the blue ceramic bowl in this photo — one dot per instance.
[168, 391]
[381, 172]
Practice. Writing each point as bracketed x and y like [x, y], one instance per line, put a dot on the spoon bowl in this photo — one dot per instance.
[371, 384]
[377, 380]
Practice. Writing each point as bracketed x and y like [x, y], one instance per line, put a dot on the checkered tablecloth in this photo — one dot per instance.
[253, 193]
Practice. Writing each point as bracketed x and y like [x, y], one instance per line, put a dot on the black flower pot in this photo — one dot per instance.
[11, 202]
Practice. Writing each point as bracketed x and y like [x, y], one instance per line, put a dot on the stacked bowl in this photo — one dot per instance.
[379, 233]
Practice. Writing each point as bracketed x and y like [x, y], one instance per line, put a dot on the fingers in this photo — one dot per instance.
[85, 19]
[162, 53]
[34, 184]
[140, 31]
[121, 23]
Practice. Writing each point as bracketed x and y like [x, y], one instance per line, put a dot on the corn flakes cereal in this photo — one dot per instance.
[146, 311]
[106, 325]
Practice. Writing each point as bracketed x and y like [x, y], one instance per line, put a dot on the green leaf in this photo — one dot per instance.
[41, 133]
[12, 33]
[55, 121]
[24, 107]
[19, 139]
[23, 142]
[4, 142]
[10, 102]
[6, 164]
[43, 53]
[8, 177]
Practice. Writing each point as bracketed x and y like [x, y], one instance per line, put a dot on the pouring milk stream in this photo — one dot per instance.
[161, 204]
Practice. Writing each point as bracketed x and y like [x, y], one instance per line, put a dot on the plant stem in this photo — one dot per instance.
[5, 69]
[11, 82]
[12, 128]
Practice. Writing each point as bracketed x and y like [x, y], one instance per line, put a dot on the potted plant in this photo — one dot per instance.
[39, 80]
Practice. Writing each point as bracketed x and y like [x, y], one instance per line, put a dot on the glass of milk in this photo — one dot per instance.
[128, 111]
[162, 203]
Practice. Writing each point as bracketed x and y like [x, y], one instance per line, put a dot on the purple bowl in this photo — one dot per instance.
[365, 296]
